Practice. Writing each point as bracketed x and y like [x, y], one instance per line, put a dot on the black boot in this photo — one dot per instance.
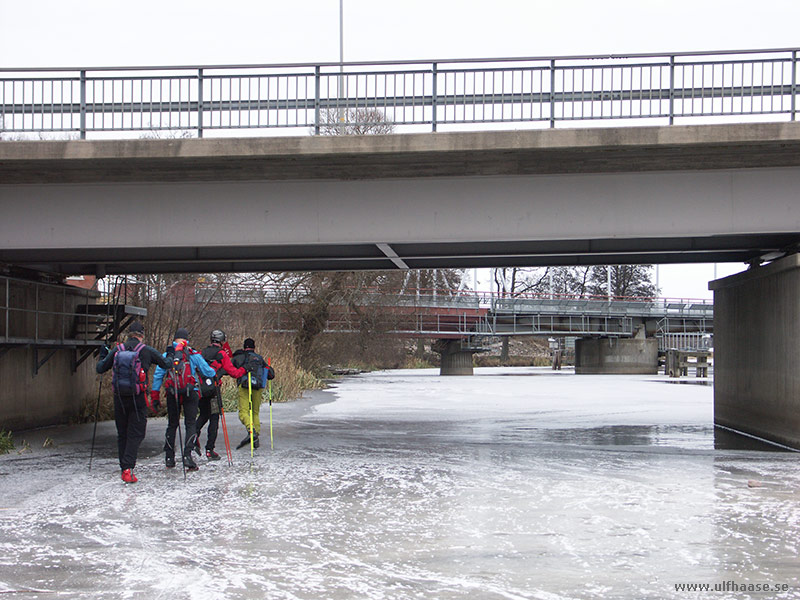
[169, 459]
[188, 462]
[211, 455]
[255, 440]
[196, 447]
[244, 442]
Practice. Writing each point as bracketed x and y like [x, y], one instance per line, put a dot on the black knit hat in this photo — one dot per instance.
[249, 344]
[137, 328]
[182, 333]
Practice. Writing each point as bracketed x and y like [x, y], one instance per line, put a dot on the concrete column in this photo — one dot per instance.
[455, 359]
[756, 351]
[637, 356]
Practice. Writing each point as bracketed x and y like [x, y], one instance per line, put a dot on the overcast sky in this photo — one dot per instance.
[37, 33]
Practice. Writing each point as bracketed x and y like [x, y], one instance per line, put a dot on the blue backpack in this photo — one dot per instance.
[129, 378]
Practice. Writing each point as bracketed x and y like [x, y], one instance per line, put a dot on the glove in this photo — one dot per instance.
[270, 373]
[155, 400]
[179, 346]
[103, 352]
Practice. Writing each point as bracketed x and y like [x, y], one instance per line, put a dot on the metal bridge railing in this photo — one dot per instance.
[429, 94]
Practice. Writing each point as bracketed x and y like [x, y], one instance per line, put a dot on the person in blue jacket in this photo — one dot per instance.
[182, 390]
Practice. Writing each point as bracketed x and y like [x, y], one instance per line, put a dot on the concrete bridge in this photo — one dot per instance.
[653, 194]
[553, 197]
[679, 194]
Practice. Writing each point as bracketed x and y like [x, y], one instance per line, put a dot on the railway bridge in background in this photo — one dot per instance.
[665, 192]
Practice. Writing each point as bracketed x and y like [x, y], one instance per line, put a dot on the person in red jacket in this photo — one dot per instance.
[218, 355]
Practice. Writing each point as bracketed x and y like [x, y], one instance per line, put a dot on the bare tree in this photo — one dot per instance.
[7, 136]
[355, 121]
[168, 134]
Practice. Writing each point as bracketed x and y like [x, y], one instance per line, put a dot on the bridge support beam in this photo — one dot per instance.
[636, 356]
[756, 354]
[456, 358]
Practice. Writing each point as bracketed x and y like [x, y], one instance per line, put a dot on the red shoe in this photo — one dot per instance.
[128, 476]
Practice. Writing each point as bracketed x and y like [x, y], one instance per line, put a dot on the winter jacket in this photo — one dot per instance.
[221, 361]
[196, 363]
[147, 356]
[239, 359]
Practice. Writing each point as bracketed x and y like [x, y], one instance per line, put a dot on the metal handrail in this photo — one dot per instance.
[415, 93]
[422, 61]
[61, 320]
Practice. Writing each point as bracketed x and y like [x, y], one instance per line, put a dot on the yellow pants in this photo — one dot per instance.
[244, 408]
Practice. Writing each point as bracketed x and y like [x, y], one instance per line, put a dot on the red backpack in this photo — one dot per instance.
[181, 374]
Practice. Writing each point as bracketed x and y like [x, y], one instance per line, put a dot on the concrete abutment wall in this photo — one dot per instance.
[757, 351]
[53, 395]
[616, 356]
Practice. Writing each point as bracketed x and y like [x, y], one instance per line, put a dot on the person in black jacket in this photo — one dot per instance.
[218, 356]
[130, 404]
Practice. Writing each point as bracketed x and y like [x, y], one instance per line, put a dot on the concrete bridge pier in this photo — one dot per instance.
[756, 351]
[634, 356]
[456, 357]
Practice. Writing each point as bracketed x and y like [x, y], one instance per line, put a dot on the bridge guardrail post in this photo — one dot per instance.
[672, 89]
[200, 103]
[552, 94]
[434, 99]
[83, 105]
[317, 85]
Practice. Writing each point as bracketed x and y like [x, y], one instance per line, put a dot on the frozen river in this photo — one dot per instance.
[514, 483]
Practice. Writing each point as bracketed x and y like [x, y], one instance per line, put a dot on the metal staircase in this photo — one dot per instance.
[48, 317]
[95, 323]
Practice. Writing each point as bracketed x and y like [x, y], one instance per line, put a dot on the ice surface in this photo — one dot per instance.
[514, 483]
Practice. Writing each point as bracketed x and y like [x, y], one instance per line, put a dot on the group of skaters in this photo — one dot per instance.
[191, 381]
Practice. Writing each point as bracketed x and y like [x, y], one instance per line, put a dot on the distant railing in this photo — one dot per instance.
[426, 95]
[469, 313]
[461, 298]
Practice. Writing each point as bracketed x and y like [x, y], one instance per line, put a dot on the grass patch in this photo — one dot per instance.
[6, 442]
[414, 362]
[289, 384]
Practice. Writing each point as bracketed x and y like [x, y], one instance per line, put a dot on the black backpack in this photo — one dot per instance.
[254, 365]
[208, 385]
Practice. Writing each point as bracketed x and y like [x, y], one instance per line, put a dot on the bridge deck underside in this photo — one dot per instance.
[715, 193]
[430, 255]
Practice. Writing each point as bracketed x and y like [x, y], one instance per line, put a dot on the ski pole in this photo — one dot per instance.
[224, 427]
[250, 396]
[178, 409]
[269, 388]
[96, 413]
